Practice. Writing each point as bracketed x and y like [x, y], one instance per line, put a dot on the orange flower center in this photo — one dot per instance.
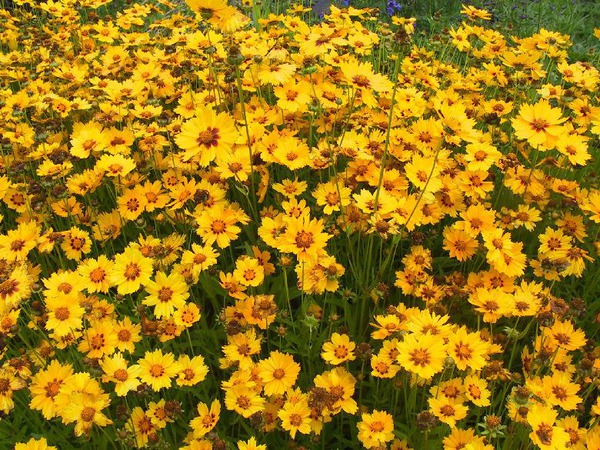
[341, 352]
[420, 357]
[132, 271]
[62, 313]
[304, 239]
[278, 374]
[52, 389]
[97, 275]
[377, 427]
[157, 370]
[218, 227]
[121, 375]
[295, 420]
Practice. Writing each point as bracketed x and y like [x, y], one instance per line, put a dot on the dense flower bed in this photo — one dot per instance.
[220, 230]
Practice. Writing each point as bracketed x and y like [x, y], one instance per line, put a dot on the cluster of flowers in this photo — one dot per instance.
[223, 231]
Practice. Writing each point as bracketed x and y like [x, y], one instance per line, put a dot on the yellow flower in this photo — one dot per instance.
[167, 293]
[116, 370]
[544, 433]
[295, 417]
[35, 444]
[338, 350]
[191, 370]
[157, 369]
[376, 429]
[131, 271]
[304, 238]
[206, 135]
[423, 355]
[206, 420]
[539, 124]
[278, 373]
[45, 386]
[17, 243]
[248, 271]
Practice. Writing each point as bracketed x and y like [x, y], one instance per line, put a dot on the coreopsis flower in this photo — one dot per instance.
[290, 188]
[131, 271]
[540, 124]
[157, 369]
[99, 339]
[361, 77]
[577, 434]
[87, 138]
[206, 420]
[341, 384]
[332, 196]
[248, 271]
[131, 204]
[35, 444]
[95, 274]
[242, 346]
[476, 390]
[458, 439]
[65, 314]
[15, 287]
[206, 135]
[423, 355]
[447, 410]
[459, 244]
[45, 386]
[218, 224]
[295, 417]
[17, 243]
[544, 433]
[304, 237]
[115, 165]
[87, 412]
[128, 334]
[338, 349]
[427, 322]
[376, 429]
[251, 444]
[10, 383]
[242, 400]
[384, 367]
[76, 243]
[492, 303]
[564, 335]
[117, 370]
[291, 152]
[559, 390]
[166, 293]
[475, 13]
[278, 373]
[187, 315]
[141, 426]
[191, 370]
